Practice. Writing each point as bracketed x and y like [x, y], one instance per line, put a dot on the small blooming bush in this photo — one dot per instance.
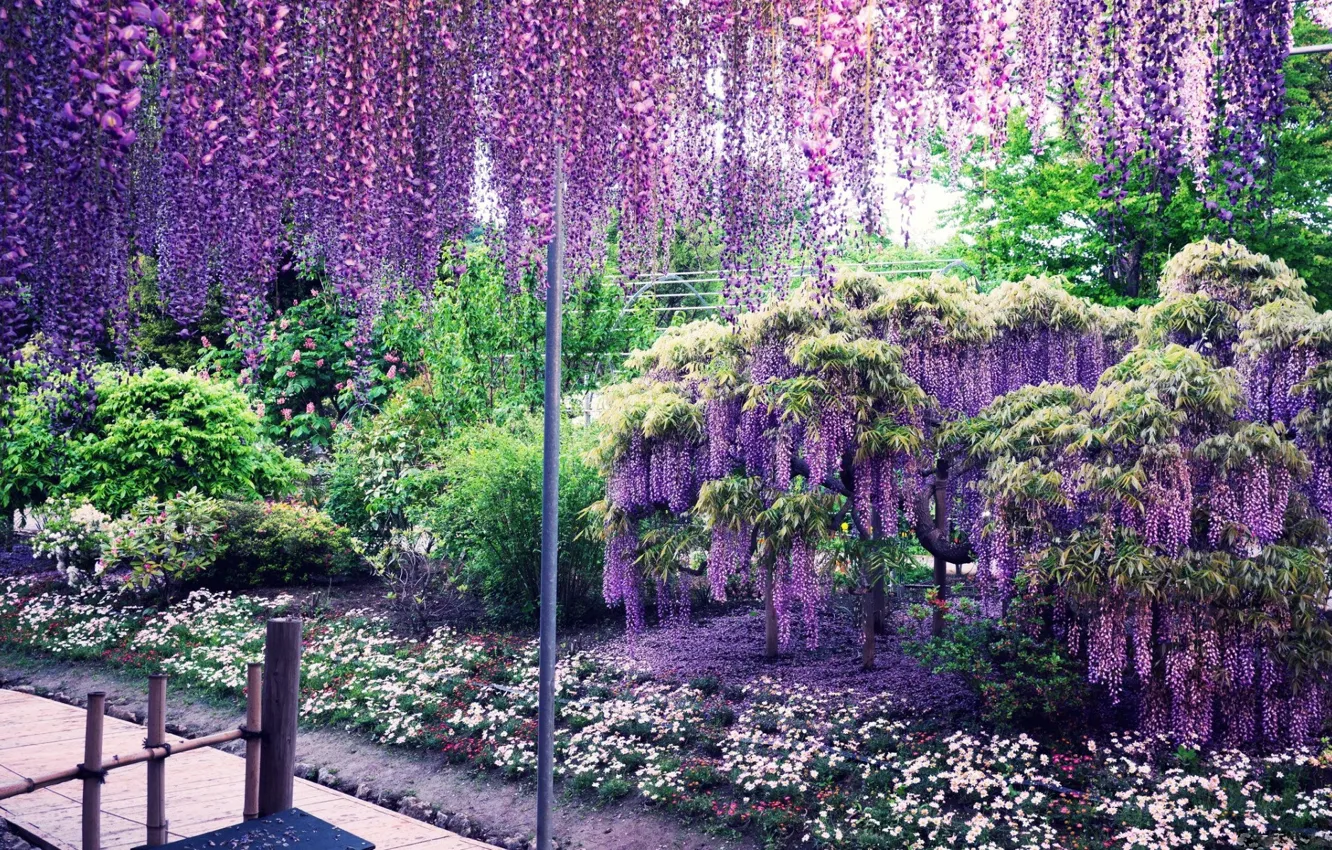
[166, 542]
[798, 765]
[72, 533]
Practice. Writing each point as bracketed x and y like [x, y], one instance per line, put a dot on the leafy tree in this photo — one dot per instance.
[483, 344]
[1042, 213]
[31, 452]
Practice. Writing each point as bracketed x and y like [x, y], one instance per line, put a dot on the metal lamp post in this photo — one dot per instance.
[550, 521]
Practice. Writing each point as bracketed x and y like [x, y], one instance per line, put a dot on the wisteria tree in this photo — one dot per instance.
[1171, 523]
[816, 411]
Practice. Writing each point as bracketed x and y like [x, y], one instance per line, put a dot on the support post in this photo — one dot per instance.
[550, 520]
[867, 622]
[281, 703]
[254, 724]
[770, 635]
[157, 822]
[92, 766]
[940, 565]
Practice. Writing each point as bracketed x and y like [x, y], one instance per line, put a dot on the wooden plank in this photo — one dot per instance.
[204, 788]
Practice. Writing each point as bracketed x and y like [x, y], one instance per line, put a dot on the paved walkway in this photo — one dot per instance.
[204, 788]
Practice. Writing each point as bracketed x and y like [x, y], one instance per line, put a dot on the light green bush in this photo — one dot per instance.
[161, 432]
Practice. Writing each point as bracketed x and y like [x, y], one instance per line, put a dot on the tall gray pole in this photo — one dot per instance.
[550, 521]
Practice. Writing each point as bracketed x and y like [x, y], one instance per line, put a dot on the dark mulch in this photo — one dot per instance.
[730, 648]
[18, 560]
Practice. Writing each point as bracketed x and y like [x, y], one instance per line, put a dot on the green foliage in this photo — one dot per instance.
[162, 431]
[488, 519]
[859, 561]
[166, 542]
[390, 465]
[1024, 684]
[482, 346]
[1211, 291]
[31, 454]
[1042, 212]
[273, 544]
[156, 338]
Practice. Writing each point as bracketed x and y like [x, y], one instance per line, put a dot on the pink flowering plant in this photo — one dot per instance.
[303, 373]
[164, 542]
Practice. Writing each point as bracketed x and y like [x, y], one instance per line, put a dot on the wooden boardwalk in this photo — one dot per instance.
[204, 788]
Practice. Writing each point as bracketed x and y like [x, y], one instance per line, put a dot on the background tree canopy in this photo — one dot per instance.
[1041, 212]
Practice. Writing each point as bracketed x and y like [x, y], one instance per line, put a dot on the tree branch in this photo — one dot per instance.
[934, 540]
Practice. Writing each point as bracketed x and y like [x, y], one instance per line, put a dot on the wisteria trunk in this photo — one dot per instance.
[869, 615]
[940, 565]
[880, 612]
[770, 642]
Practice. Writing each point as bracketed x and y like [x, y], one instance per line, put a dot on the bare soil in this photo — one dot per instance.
[499, 811]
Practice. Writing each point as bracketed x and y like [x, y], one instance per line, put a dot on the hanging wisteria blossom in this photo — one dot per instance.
[228, 138]
[820, 402]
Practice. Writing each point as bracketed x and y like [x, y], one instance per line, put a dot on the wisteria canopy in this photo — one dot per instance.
[1155, 488]
[229, 138]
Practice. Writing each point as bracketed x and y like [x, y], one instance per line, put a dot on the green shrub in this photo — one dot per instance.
[272, 544]
[30, 451]
[162, 431]
[489, 518]
[1024, 683]
[388, 468]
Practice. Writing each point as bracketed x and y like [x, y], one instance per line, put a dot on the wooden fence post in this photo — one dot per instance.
[157, 822]
[281, 704]
[254, 689]
[92, 770]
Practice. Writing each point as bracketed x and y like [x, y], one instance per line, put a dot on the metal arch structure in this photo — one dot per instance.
[707, 299]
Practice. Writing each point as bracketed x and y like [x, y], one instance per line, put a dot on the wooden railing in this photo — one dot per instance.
[272, 695]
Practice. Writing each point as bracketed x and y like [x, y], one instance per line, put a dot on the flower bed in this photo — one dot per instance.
[797, 764]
